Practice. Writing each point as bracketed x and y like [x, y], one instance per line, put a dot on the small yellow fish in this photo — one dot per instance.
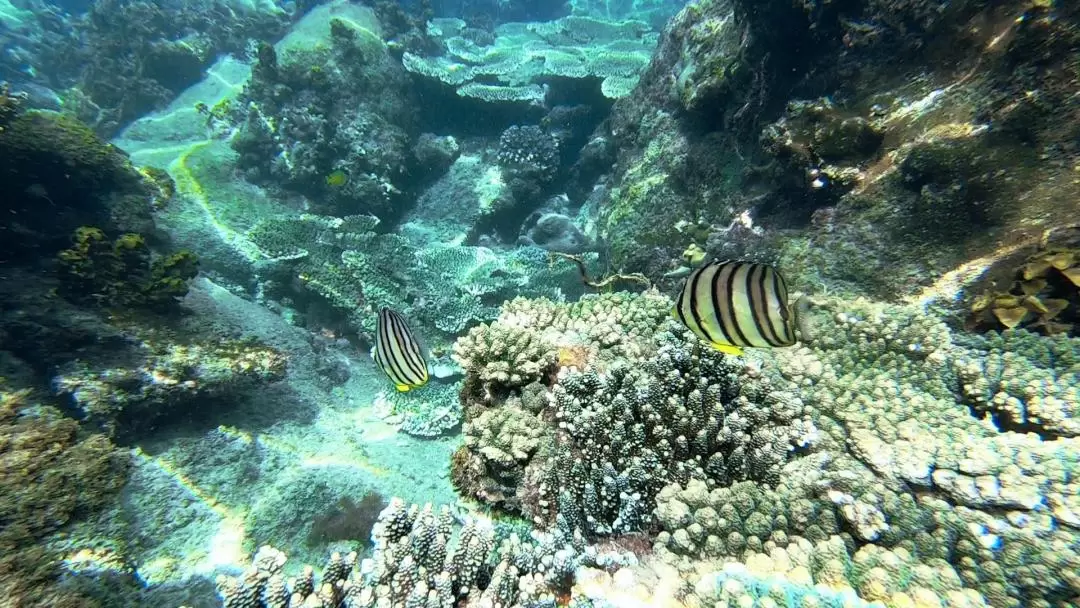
[337, 179]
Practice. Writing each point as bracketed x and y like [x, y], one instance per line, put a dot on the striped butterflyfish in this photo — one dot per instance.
[398, 353]
[733, 304]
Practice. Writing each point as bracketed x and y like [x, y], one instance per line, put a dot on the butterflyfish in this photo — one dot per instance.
[398, 353]
[734, 305]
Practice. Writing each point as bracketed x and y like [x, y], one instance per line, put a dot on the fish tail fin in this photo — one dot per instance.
[802, 318]
[728, 349]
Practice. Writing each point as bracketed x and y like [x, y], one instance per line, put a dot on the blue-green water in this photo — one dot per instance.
[209, 204]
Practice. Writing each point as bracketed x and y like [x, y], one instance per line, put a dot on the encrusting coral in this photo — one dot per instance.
[165, 376]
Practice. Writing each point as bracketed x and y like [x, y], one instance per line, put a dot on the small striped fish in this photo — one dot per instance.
[398, 353]
[736, 304]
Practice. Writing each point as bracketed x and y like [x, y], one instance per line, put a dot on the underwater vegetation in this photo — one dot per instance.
[501, 304]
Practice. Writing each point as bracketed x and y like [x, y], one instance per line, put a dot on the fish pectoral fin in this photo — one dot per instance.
[728, 349]
[403, 388]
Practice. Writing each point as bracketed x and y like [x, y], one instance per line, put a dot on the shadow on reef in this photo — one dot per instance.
[91, 326]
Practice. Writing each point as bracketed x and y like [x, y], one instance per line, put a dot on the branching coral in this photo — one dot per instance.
[594, 455]
[1025, 389]
[422, 557]
[862, 436]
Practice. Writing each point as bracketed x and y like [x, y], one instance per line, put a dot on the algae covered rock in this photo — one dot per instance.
[43, 457]
[166, 377]
[58, 175]
[794, 133]
[328, 114]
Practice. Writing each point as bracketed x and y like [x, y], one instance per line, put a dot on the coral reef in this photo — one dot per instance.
[871, 436]
[121, 60]
[593, 453]
[511, 64]
[332, 121]
[43, 457]
[423, 557]
[164, 377]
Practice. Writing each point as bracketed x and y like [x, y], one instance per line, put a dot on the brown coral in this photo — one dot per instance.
[1043, 296]
[42, 458]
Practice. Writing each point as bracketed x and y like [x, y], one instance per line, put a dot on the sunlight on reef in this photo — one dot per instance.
[527, 304]
[224, 547]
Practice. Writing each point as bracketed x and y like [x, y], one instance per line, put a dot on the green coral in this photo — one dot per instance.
[124, 273]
